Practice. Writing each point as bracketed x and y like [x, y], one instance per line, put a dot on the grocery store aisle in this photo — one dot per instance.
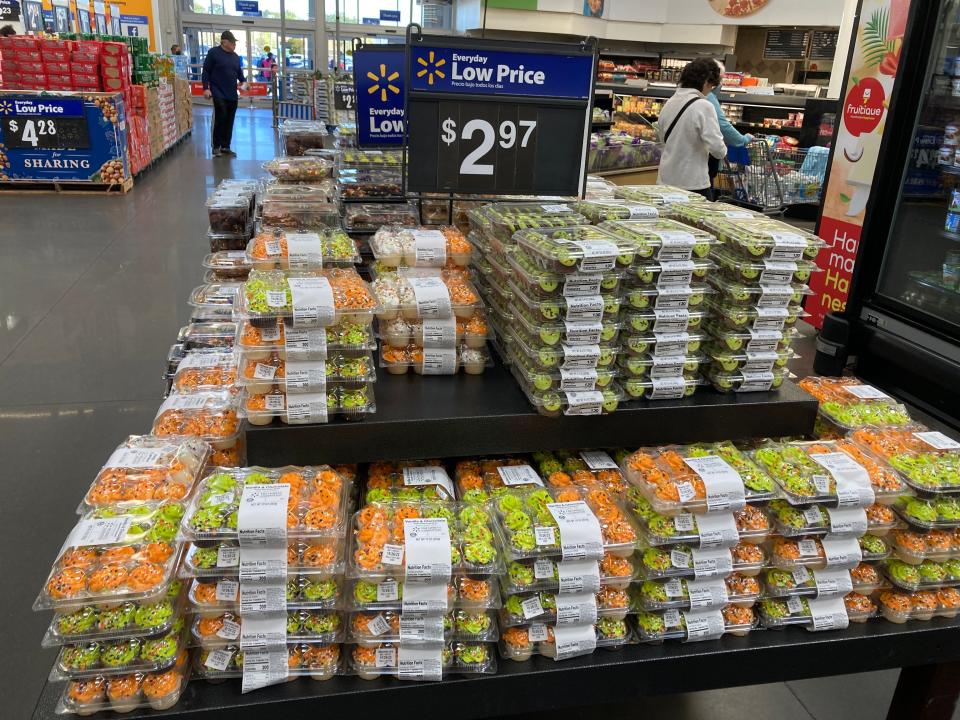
[92, 293]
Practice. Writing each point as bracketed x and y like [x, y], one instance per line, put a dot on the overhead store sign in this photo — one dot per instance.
[378, 74]
[498, 117]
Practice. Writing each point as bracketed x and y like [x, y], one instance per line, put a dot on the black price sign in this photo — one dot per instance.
[823, 44]
[786, 44]
[344, 97]
[484, 117]
[9, 10]
[46, 133]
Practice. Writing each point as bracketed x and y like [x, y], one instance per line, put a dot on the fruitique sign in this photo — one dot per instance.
[874, 62]
[485, 117]
[379, 83]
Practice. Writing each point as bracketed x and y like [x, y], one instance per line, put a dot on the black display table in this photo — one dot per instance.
[929, 652]
[463, 415]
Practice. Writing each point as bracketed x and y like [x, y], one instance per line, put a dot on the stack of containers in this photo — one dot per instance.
[702, 517]
[830, 530]
[423, 572]
[567, 550]
[305, 210]
[231, 209]
[431, 318]
[764, 265]
[299, 136]
[22, 63]
[926, 565]
[370, 188]
[168, 113]
[210, 416]
[56, 64]
[264, 567]
[115, 75]
[119, 611]
[288, 368]
[847, 404]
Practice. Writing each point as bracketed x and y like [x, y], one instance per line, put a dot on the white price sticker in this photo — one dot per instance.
[672, 297]
[671, 343]
[718, 530]
[801, 576]
[428, 550]
[588, 402]
[678, 272]
[579, 576]
[866, 392]
[711, 593]
[304, 250]
[787, 246]
[378, 626]
[227, 590]
[440, 333]
[759, 362]
[392, 555]
[578, 379]
[545, 535]
[684, 523]
[276, 298]
[597, 255]
[385, 657]
[432, 297]
[769, 318]
[937, 440]
[852, 479]
[537, 632]
[583, 333]
[513, 475]
[306, 376]
[388, 591]
[218, 659]
[574, 640]
[669, 388]
[262, 515]
[270, 335]
[828, 614]
[833, 582]
[313, 304]
[670, 366]
[263, 371]
[703, 624]
[777, 296]
[543, 569]
[531, 607]
[711, 562]
[813, 516]
[753, 381]
[847, 521]
[230, 630]
[674, 244]
[228, 556]
[576, 609]
[580, 356]
[580, 536]
[777, 273]
[305, 344]
[763, 340]
[670, 321]
[723, 485]
[588, 308]
[673, 588]
[598, 460]
[439, 361]
[680, 559]
[430, 248]
[841, 552]
[428, 475]
[580, 284]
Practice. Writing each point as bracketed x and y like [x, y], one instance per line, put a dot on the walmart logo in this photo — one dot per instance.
[431, 67]
[6, 107]
[383, 82]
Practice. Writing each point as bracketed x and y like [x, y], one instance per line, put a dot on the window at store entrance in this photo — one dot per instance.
[295, 9]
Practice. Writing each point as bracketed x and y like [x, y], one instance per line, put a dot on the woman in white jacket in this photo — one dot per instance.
[690, 131]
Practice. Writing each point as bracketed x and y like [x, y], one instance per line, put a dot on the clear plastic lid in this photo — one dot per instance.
[749, 524]
[658, 195]
[303, 216]
[578, 248]
[528, 528]
[113, 555]
[575, 379]
[478, 480]
[694, 624]
[897, 606]
[752, 317]
[599, 210]
[942, 512]
[143, 468]
[324, 191]
[848, 403]
[800, 582]
[672, 388]
[542, 607]
[211, 416]
[663, 343]
[730, 361]
[682, 594]
[391, 482]
[275, 248]
[525, 576]
[220, 241]
[433, 361]
[844, 474]
[371, 216]
[817, 553]
[263, 374]
[346, 336]
[581, 309]
[764, 271]
[350, 401]
[776, 296]
[366, 628]
[207, 334]
[354, 157]
[749, 381]
[317, 660]
[685, 561]
[666, 297]
[228, 263]
[210, 596]
[316, 509]
[303, 168]
[220, 631]
[204, 371]
[765, 238]
[399, 332]
[554, 357]
[411, 663]
[700, 478]
[377, 544]
[751, 340]
[114, 657]
[215, 295]
[316, 556]
[676, 272]
[115, 621]
[122, 693]
[914, 547]
[695, 213]
[662, 240]
[424, 297]
[792, 521]
[928, 575]
[502, 220]
[395, 245]
[657, 367]
[479, 593]
[797, 611]
[586, 468]
[545, 284]
[228, 213]
[379, 184]
[564, 641]
[927, 460]
[308, 299]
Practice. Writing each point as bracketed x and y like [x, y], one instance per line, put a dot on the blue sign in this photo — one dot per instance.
[379, 81]
[371, 21]
[248, 6]
[924, 177]
[483, 72]
[390, 15]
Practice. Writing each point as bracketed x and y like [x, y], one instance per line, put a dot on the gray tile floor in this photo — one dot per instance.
[92, 292]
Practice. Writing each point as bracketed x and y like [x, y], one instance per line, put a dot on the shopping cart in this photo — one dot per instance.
[801, 172]
[747, 176]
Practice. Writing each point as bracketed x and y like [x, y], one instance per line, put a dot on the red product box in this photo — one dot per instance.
[84, 68]
[11, 80]
[114, 84]
[21, 55]
[24, 42]
[6, 43]
[54, 44]
[85, 81]
[56, 85]
[114, 48]
[93, 47]
[55, 55]
[111, 72]
[31, 67]
[111, 61]
[85, 57]
[8, 66]
[59, 77]
[55, 67]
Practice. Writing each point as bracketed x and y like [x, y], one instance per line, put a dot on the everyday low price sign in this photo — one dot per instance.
[378, 73]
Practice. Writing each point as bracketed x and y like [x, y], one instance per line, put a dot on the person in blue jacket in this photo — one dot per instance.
[731, 136]
[222, 72]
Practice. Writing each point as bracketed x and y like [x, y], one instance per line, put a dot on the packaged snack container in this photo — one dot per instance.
[746, 381]
[389, 482]
[316, 660]
[143, 468]
[228, 213]
[587, 468]
[348, 338]
[267, 295]
[232, 241]
[939, 513]
[205, 370]
[801, 582]
[215, 295]
[420, 247]
[792, 521]
[370, 184]
[472, 332]
[479, 593]
[473, 626]
[578, 248]
[501, 220]
[752, 317]
[543, 284]
[662, 240]
[696, 213]
[526, 576]
[260, 375]
[303, 592]
[304, 136]
[398, 295]
[667, 343]
[209, 334]
[399, 361]
[228, 264]
[672, 388]
[479, 480]
[898, 606]
[609, 633]
[678, 272]
[302, 216]
[317, 507]
[665, 297]
[128, 655]
[674, 594]
[324, 191]
[592, 308]
[562, 379]
[755, 238]
[666, 478]
[660, 320]
[750, 340]
[351, 401]
[270, 249]
[928, 461]
[117, 621]
[775, 613]
[305, 168]
[367, 217]
[680, 561]
[456, 658]
[736, 268]
[655, 627]
[538, 332]
[377, 539]
[356, 158]
[750, 524]
[211, 416]
[809, 552]
[219, 631]
[315, 556]
[928, 575]
[847, 404]
[131, 558]
[804, 481]
[599, 210]
[124, 693]
[754, 295]
[730, 362]
[660, 196]
[555, 403]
